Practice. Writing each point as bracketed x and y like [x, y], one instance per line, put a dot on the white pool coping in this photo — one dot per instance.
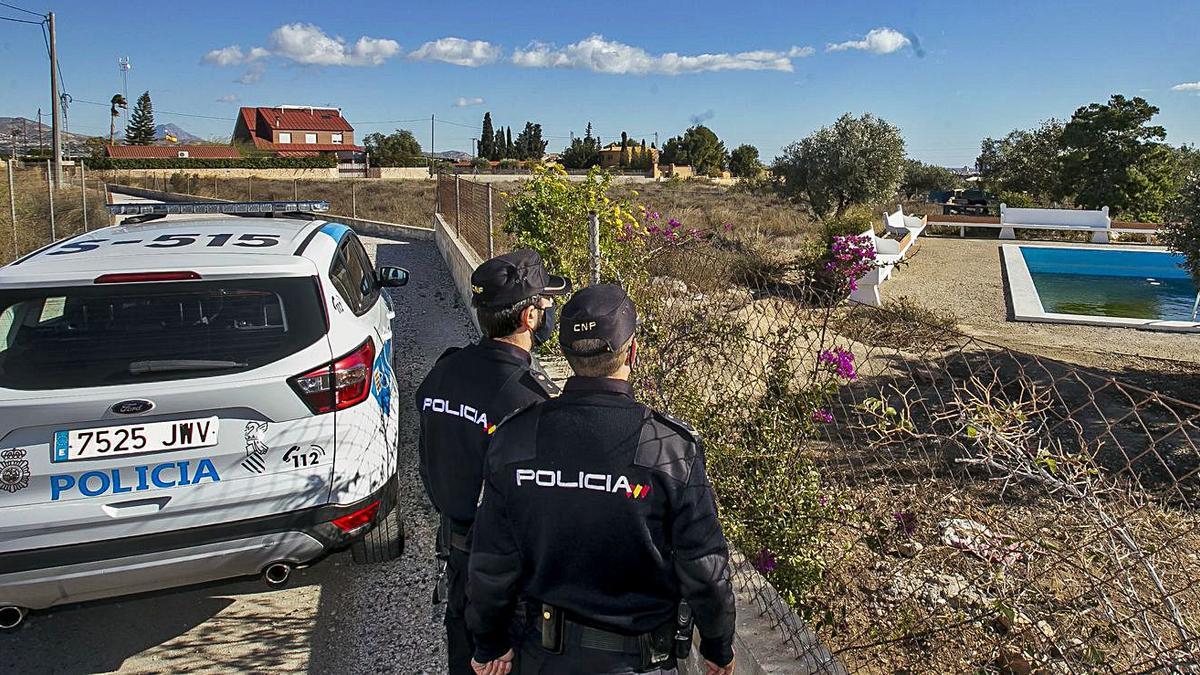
[1027, 304]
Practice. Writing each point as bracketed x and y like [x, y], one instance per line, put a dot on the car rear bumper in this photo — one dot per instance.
[41, 578]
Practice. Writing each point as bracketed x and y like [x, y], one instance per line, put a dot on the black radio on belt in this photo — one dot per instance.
[552, 629]
[684, 630]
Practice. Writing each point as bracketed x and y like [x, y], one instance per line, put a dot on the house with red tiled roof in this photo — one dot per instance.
[296, 131]
[171, 152]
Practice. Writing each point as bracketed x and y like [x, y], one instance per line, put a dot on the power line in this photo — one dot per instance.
[164, 112]
[9, 18]
[21, 9]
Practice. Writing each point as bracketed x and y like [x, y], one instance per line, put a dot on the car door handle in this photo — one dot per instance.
[136, 507]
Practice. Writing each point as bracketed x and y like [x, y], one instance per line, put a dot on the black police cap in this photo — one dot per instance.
[510, 278]
[602, 312]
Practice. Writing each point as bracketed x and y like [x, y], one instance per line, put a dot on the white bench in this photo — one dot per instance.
[1096, 222]
[888, 253]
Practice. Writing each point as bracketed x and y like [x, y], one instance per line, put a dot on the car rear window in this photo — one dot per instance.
[91, 336]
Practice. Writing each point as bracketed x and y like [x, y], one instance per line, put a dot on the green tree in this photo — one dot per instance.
[1181, 232]
[698, 147]
[1025, 161]
[624, 146]
[743, 162]
[854, 161]
[140, 130]
[396, 149]
[582, 153]
[529, 142]
[1114, 157]
[487, 138]
[499, 146]
[921, 178]
[510, 150]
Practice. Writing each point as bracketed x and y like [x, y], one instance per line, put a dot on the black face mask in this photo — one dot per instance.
[545, 331]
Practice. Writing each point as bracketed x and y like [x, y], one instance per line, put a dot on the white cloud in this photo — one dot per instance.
[308, 44]
[597, 54]
[878, 41]
[252, 75]
[1186, 86]
[227, 98]
[463, 101]
[460, 52]
[233, 55]
[226, 56]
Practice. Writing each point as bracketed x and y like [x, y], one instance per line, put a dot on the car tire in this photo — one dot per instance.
[383, 543]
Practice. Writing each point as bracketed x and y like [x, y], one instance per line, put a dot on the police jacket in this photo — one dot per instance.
[601, 507]
[460, 401]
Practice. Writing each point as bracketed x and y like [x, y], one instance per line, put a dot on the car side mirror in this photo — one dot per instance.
[392, 277]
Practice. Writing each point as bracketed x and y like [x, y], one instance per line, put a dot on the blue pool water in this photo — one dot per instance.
[1133, 284]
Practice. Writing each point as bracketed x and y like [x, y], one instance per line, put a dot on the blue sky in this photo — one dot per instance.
[947, 73]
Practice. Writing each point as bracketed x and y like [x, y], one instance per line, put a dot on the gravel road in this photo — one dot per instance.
[336, 617]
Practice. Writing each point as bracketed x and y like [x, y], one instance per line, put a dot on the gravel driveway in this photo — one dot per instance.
[334, 618]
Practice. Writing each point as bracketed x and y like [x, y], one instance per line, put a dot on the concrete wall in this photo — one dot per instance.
[460, 260]
[404, 172]
[116, 176]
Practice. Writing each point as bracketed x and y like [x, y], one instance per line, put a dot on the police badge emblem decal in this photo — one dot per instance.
[14, 470]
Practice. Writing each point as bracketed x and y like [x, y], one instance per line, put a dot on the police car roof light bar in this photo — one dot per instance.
[235, 208]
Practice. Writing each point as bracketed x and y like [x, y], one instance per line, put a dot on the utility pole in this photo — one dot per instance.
[41, 145]
[56, 140]
[431, 137]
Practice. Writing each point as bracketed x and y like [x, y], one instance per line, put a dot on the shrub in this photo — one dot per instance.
[549, 214]
[480, 164]
[510, 164]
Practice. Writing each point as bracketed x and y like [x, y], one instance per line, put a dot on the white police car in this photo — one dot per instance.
[193, 398]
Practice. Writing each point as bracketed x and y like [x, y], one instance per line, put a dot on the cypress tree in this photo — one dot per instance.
[498, 146]
[624, 147]
[487, 138]
[140, 130]
[510, 150]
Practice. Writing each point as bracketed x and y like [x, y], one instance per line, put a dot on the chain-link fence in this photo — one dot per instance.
[905, 497]
[33, 214]
[472, 210]
[926, 501]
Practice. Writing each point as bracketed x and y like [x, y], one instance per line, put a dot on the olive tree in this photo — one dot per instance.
[856, 160]
[1181, 233]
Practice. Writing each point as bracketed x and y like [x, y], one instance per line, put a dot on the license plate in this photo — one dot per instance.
[133, 439]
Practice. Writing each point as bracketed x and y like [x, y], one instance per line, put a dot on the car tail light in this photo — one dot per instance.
[140, 277]
[338, 385]
[352, 521]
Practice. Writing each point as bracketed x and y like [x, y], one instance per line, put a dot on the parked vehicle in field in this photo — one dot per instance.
[193, 398]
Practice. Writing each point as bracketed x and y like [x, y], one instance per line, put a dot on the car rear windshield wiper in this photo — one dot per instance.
[173, 365]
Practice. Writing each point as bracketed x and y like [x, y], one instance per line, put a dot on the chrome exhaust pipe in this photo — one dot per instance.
[276, 574]
[11, 617]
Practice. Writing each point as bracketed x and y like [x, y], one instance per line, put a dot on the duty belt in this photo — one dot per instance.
[592, 638]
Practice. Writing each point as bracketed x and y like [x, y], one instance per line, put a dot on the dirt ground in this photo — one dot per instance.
[964, 277]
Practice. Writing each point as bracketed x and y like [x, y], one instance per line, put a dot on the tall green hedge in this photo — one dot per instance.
[115, 164]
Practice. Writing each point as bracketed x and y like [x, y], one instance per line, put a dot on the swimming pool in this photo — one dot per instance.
[1117, 286]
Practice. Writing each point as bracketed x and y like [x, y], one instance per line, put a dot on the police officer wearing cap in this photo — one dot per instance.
[466, 393]
[597, 512]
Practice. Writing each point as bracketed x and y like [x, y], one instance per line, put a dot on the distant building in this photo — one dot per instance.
[171, 152]
[612, 154]
[297, 131]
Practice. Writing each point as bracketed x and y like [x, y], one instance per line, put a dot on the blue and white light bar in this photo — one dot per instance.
[174, 208]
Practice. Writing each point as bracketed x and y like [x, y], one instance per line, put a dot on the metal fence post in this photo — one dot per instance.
[594, 245]
[12, 206]
[457, 202]
[83, 194]
[189, 185]
[491, 225]
[214, 186]
[353, 199]
[50, 191]
[295, 189]
[249, 188]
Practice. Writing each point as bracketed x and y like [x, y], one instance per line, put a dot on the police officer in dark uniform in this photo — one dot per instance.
[468, 391]
[597, 512]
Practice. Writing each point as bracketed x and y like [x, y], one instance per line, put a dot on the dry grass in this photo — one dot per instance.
[33, 229]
